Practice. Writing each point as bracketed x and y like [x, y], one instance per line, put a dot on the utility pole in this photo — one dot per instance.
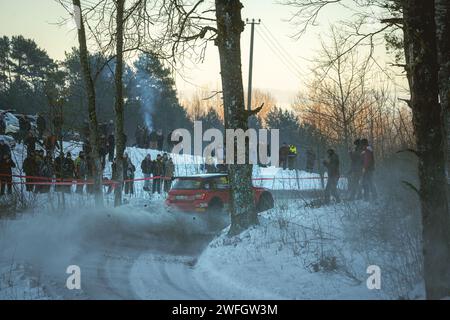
[250, 72]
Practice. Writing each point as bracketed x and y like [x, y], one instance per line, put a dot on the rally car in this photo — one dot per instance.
[210, 193]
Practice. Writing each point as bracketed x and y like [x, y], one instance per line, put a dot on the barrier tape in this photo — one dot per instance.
[66, 181]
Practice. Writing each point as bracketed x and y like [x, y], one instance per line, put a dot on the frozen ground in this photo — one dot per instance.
[140, 251]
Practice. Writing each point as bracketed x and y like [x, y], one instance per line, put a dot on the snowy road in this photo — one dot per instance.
[127, 253]
[109, 271]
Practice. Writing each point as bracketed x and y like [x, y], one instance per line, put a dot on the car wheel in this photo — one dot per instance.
[215, 207]
[265, 202]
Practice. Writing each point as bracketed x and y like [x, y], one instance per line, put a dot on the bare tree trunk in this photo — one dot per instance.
[118, 107]
[442, 17]
[93, 125]
[229, 29]
[420, 29]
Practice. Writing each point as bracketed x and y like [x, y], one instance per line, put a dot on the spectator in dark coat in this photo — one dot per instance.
[354, 178]
[30, 168]
[368, 161]
[128, 174]
[111, 145]
[4, 149]
[168, 174]
[158, 170]
[153, 140]
[41, 125]
[6, 165]
[147, 170]
[81, 170]
[283, 155]
[160, 139]
[332, 164]
[30, 142]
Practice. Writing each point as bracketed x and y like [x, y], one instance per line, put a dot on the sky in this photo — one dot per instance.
[281, 64]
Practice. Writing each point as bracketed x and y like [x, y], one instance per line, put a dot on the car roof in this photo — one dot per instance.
[203, 176]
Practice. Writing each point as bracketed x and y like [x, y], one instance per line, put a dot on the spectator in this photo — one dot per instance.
[128, 174]
[157, 173]
[160, 139]
[81, 170]
[6, 165]
[30, 142]
[50, 143]
[354, 181]
[169, 173]
[111, 145]
[147, 170]
[103, 150]
[139, 136]
[368, 160]
[283, 155]
[332, 164]
[24, 127]
[30, 169]
[4, 149]
[41, 125]
[292, 156]
[153, 140]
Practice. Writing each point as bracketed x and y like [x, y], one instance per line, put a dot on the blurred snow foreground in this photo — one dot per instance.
[141, 251]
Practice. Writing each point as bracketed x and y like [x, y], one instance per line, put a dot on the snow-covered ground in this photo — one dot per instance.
[141, 251]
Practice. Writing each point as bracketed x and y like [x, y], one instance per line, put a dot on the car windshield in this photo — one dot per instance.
[185, 184]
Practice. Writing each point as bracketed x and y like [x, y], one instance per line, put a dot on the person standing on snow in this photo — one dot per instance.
[4, 149]
[128, 174]
[6, 165]
[160, 139]
[332, 165]
[292, 156]
[368, 161]
[81, 171]
[147, 170]
[111, 145]
[283, 155]
[354, 180]
[158, 170]
[30, 169]
[41, 125]
[169, 173]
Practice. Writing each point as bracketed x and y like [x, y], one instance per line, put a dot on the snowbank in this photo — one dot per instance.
[293, 253]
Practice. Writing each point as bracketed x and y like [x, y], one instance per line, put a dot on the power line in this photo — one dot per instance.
[286, 52]
[280, 54]
[277, 54]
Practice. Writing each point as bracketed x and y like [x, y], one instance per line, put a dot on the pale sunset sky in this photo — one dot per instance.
[280, 65]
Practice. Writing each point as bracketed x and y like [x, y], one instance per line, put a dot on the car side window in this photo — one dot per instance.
[221, 183]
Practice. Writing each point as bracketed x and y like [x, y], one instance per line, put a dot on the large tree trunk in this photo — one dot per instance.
[93, 125]
[442, 17]
[229, 29]
[118, 107]
[420, 28]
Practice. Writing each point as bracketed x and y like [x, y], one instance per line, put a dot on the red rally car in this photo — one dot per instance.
[209, 192]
